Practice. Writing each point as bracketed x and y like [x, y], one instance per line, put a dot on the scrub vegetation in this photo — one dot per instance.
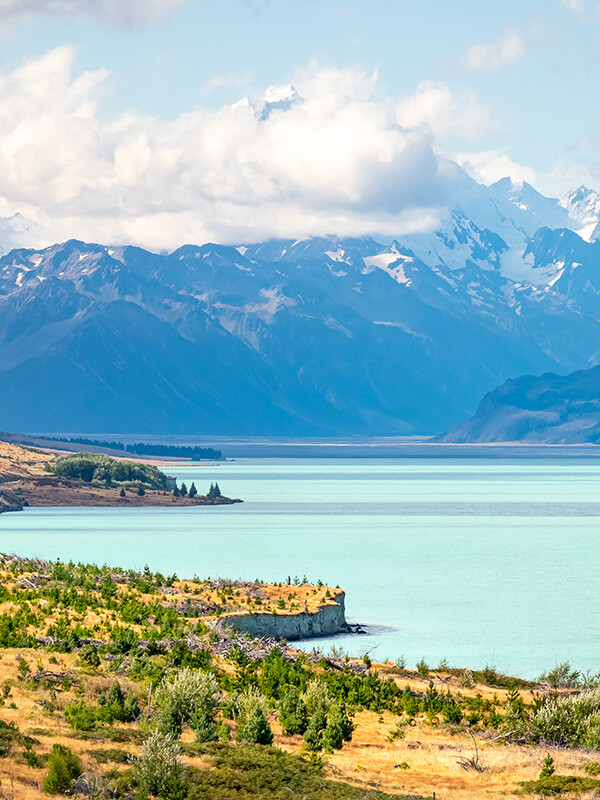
[117, 683]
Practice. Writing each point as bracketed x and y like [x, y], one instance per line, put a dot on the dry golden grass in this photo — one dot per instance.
[369, 761]
[17, 461]
[431, 755]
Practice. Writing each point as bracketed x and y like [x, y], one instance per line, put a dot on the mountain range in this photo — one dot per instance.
[325, 336]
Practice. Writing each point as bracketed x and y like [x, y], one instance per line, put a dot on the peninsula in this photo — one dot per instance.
[36, 477]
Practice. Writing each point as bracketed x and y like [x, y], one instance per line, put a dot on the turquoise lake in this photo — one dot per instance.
[476, 561]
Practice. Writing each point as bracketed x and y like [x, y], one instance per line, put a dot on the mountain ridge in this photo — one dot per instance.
[321, 336]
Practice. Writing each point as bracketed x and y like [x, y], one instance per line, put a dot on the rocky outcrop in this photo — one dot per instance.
[327, 620]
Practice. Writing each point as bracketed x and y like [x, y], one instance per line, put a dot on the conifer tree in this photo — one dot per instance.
[193, 491]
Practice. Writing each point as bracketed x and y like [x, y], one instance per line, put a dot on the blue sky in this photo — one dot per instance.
[502, 88]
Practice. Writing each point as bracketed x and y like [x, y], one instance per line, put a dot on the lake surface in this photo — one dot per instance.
[480, 562]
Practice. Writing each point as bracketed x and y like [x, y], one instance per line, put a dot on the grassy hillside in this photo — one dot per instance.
[125, 678]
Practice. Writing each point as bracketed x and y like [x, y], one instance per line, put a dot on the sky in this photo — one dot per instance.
[161, 122]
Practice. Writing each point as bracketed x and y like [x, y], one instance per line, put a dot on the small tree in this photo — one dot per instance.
[195, 694]
[313, 735]
[170, 720]
[202, 723]
[547, 767]
[256, 729]
[193, 490]
[214, 491]
[292, 713]
[159, 769]
[183, 490]
[122, 492]
[175, 491]
[141, 491]
[63, 766]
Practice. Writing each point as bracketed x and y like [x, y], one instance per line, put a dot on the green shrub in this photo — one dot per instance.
[203, 724]
[548, 767]
[572, 721]
[250, 772]
[293, 716]
[339, 727]
[423, 667]
[560, 784]
[158, 770]
[80, 716]
[255, 729]
[170, 720]
[63, 767]
[562, 676]
[9, 736]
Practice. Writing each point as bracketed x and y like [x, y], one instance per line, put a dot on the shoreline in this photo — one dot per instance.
[51, 491]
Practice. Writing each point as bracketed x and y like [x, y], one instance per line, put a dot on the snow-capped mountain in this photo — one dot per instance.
[583, 206]
[320, 336]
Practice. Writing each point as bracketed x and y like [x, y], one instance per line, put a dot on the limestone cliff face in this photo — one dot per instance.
[328, 620]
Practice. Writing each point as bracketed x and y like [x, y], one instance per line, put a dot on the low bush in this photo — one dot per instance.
[560, 784]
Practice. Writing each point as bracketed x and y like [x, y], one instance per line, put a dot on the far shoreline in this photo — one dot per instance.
[380, 447]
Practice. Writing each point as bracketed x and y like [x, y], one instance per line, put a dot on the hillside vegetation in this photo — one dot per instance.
[118, 683]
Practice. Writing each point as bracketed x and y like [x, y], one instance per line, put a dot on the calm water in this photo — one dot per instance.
[493, 562]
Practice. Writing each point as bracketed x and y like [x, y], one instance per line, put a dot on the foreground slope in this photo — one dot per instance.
[117, 683]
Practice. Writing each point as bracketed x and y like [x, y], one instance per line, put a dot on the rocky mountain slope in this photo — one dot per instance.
[550, 409]
[325, 336]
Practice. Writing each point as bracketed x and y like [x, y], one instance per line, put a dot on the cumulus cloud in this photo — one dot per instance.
[495, 55]
[333, 160]
[127, 13]
[323, 156]
[434, 106]
[488, 167]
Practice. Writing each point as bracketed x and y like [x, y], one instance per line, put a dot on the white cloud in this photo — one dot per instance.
[495, 55]
[127, 13]
[488, 167]
[334, 161]
[433, 105]
[575, 5]
[324, 156]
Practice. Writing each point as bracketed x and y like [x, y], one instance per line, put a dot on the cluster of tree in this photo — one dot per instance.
[97, 468]
[194, 452]
[183, 491]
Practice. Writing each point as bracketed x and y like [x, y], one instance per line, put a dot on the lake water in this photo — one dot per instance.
[480, 562]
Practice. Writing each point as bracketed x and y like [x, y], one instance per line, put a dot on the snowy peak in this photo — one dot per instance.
[276, 98]
[583, 206]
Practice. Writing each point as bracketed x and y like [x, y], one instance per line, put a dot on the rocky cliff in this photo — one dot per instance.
[327, 620]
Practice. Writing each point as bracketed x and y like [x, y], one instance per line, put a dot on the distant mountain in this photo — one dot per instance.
[550, 409]
[324, 336]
